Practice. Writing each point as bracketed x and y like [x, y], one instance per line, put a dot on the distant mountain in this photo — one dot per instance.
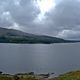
[16, 36]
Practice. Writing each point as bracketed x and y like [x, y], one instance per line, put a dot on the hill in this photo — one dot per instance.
[16, 36]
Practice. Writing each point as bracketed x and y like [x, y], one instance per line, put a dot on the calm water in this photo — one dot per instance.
[40, 58]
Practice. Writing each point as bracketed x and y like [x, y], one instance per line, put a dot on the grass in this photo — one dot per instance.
[2, 77]
[74, 75]
[28, 77]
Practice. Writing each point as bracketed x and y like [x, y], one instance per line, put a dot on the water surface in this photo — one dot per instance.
[40, 58]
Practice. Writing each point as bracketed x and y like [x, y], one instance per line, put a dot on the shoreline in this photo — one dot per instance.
[72, 75]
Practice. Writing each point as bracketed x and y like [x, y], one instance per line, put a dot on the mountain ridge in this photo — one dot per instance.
[17, 36]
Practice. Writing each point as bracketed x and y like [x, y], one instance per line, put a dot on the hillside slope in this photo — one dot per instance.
[16, 36]
[74, 75]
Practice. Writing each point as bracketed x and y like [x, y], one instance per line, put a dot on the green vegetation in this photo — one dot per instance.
[34, 39]
[74, 75]
[2, 77]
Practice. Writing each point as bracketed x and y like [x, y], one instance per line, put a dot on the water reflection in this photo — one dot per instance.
[39, 58]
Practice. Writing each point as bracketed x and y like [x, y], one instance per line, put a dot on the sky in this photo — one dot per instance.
[60, 18]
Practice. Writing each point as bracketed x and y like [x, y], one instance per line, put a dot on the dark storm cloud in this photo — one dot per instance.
[66, 16]
[22, 12]
[5, 16]
[62, 21]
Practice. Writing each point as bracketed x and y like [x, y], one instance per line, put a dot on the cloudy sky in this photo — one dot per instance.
[59, 18]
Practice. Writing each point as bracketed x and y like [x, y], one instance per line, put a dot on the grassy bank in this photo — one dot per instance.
[17, 78]
[74, 75]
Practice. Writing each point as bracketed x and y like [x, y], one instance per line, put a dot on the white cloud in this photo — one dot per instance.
[69, 34]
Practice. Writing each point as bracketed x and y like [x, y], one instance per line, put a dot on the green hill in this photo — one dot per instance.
[16, 36]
